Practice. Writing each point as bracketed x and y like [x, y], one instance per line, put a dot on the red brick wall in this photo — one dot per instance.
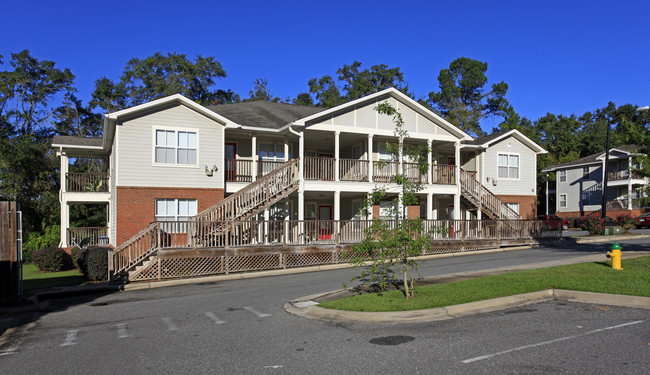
[527, 204]
[136, 205]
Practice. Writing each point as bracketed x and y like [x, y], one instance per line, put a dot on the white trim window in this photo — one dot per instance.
[585, 173]
[514, 207]
[562, 200]
[508, 165]
[561, 176]
[175, 209]
[176, 147]
[271, 152]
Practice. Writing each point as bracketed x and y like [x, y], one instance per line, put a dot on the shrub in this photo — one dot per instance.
[93, 262]
[51, 236]
[74, 254]
[627, 222]
[52, 259]
[595, 224]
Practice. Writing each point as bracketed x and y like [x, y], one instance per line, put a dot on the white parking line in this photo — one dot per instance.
[121, 331]
[214, 318]
[170, 325]
[11, 350]
[482, 357]
[70, 338]
[259, 314]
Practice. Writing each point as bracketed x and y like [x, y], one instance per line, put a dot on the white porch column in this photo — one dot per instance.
[65, 209]
[286, 149]
[429, 161]
[436, 216]
[401, 215]
[429, 205]
[254, 154]
[337, 136]
[457, 195]
[369, 156]
[301, 189]
[267, 217]
[456, 207]
[337, 205]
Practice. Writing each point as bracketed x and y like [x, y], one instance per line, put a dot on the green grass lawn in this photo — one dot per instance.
[634, 280]
[35, 279]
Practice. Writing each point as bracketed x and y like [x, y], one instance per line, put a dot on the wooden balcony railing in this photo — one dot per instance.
[353, 170]
[265, 167]
[319, 168]
[412, 173]
[443, 174]
[95, 236]
[87, 182]
[385, 172]
[239, 170]
[622, 175]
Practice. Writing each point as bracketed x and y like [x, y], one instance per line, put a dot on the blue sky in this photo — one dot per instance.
[560, 57]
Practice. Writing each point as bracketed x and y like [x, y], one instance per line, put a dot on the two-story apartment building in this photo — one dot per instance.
[579, 184]
[171, 159]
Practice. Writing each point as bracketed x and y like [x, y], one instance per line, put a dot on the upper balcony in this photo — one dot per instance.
[87, 182]
[349, 170]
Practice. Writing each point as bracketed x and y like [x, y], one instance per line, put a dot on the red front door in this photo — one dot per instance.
[231, 161]
[325, 222]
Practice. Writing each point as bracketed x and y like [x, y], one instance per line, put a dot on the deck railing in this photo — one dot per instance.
[413, 174]
[196, 235]
[95, 235]
[353, 170]
[265, 167]
[239, 170]
[87, 182]
[383, 171]
[622, 175]
[443, 174]
[317, 168]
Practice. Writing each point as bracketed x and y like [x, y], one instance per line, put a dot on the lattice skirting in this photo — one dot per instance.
[196, 264]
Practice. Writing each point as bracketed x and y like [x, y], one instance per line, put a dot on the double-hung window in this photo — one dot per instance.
[176, 147]
[508, 166]
[563, 200]
[561, 176]
[175, 210]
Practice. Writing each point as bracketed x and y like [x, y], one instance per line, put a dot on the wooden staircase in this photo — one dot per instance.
[478, 195]
[211, 223]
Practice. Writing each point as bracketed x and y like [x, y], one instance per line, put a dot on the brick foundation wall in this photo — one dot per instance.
[136, 205]
[527, 204]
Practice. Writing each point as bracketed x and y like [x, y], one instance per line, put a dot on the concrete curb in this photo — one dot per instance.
[609, 238]
[309, 309]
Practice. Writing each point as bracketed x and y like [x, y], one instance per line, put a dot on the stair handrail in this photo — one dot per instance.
[485, 197]
[260, 191]
[137, 248]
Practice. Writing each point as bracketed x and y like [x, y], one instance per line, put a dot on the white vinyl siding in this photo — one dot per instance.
[136, 140]
[508, 166]
[525, 168]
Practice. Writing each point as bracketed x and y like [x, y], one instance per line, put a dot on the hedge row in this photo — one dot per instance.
[93, 262]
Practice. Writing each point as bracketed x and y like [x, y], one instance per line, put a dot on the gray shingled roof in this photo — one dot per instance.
[593, 158]
[262, 114]
[485, 138]
[71, 140]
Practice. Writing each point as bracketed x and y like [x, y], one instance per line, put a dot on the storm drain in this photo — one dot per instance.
[391, 340]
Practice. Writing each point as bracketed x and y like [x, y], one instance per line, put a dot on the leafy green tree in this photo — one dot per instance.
[158, 76]
[73, 118]
[262, 92]
[352, 83]
[463, 99]
[393, 244]
[27, 162]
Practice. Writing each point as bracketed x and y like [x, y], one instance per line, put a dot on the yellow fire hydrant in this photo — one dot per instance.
[615, 254]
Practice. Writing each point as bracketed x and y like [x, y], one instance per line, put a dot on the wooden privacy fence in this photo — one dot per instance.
[10, 252]
[268, 242]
